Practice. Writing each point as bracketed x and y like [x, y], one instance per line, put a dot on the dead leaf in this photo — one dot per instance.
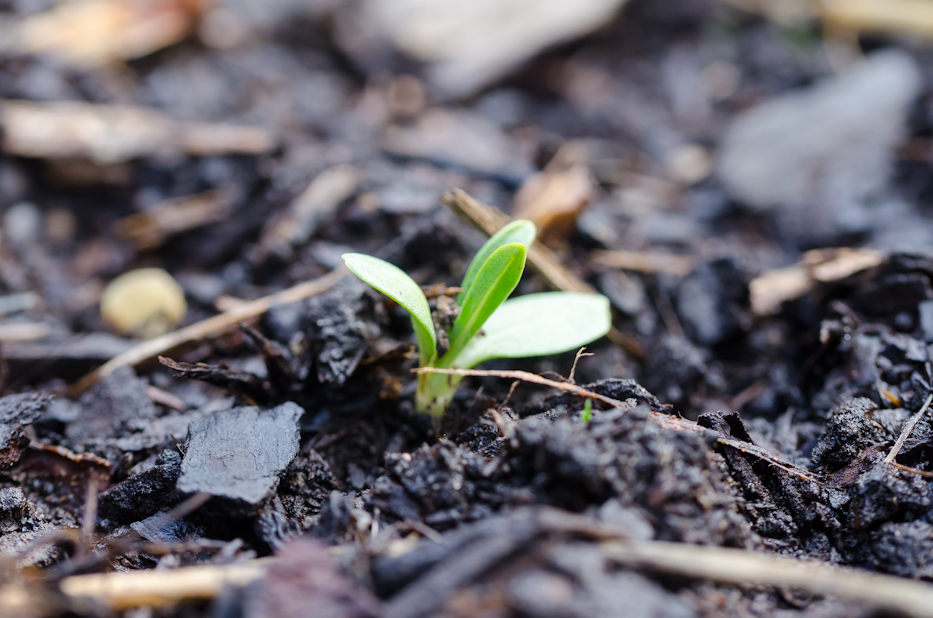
[555, 197]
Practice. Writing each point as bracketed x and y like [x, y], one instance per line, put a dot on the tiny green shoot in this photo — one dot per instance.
[488, 326]
[587, 415]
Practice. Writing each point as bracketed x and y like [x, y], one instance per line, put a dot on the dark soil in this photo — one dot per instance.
[296, 435]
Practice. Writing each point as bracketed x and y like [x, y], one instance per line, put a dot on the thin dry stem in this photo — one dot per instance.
[526, 376]
[909, 427]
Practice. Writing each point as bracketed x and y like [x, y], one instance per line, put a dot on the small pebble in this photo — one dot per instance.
[145, 302]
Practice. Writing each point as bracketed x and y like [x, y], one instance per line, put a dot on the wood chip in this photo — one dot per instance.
[774, 287]
[108, 134]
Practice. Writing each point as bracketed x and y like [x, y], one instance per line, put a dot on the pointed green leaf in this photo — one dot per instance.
[394, 283]
[494, 281]
[539, 324]
[521, 231]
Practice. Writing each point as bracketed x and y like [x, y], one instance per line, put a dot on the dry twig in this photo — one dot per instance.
[736, 566]
[665, 420]
[162, 588]
[911, 423]
[490, 220]
[526, 376]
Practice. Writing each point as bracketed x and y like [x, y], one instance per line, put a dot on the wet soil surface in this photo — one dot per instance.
[296, 435]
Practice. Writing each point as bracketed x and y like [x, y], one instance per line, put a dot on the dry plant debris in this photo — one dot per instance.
[107, 134]
[147, 230]
[769, 290]
[91, 33]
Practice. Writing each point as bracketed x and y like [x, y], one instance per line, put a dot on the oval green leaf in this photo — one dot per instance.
[537, 325]
[521, 231]
[394, 283]
[494, 281]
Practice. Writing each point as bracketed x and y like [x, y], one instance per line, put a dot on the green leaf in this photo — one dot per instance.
[537, 325]
[521, 231]
[494, 281]
[394, 283]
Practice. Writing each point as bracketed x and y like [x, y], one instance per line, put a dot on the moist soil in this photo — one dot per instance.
[296, 434]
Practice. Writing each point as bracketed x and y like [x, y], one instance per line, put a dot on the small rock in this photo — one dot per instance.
[240, 455]
[146, 301]
[819, 153]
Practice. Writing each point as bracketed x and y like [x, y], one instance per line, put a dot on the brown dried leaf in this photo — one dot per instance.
[556, 196]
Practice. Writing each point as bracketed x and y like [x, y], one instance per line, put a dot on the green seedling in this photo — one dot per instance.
[487, 325]
[587, 415]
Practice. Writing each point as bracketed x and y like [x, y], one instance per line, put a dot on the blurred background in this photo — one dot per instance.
[671, 151]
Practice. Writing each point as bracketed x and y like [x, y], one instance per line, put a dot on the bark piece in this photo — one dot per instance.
[239, 455]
